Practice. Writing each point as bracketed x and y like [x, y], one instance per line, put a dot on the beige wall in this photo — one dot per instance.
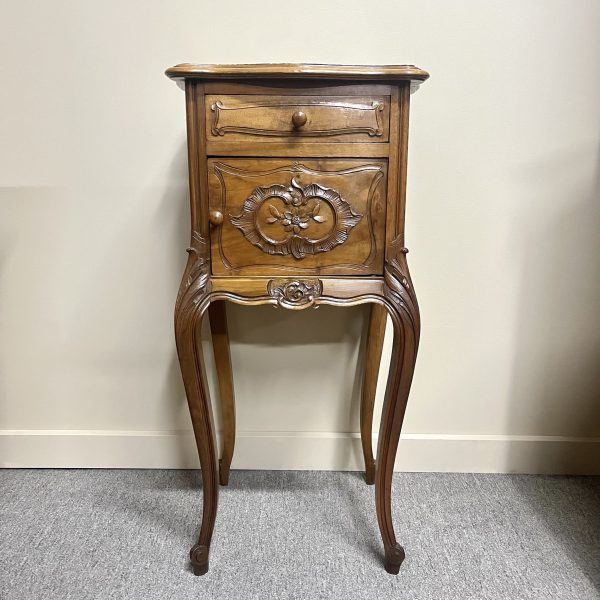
[503, 225]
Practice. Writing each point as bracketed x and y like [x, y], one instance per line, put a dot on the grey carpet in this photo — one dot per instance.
[126, 534]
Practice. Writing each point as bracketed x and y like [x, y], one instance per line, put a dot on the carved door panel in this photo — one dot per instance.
[314, 216]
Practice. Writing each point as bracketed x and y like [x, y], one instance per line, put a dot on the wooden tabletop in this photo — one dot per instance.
[298, 71]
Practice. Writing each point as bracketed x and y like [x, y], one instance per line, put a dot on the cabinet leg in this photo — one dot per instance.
[191, 303]
[220, 340]
[404, 312]
[377, 321]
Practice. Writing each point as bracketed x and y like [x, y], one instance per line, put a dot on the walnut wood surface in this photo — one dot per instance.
[335, 291]
[296, 87]
[295, 148]
[404, 312]
[303, 220]
[192, 301]
[345, 236]
[329, 118]
[299, 71]
[377, 321]
[220, 340]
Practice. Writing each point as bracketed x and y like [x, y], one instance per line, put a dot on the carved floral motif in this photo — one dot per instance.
[295, 294]
[302, 204]
[298, 216]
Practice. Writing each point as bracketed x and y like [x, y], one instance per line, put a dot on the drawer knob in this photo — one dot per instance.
[215, 217]
[298, 119]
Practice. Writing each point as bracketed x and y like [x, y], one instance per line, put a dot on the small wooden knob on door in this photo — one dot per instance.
[298, 119]
[215, 217]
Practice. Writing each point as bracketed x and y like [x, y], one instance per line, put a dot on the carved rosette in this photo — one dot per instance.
[294, 208]
[295, 294]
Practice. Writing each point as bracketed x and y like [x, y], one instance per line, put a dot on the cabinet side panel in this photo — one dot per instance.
[194, 95]
[399, 114]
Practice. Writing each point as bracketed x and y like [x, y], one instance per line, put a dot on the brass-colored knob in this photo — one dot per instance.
[215, 217]
[298, 119]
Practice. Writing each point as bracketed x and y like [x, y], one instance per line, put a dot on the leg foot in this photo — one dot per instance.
[199, 559]
[370, 472]
[394, 556]
[223, 473]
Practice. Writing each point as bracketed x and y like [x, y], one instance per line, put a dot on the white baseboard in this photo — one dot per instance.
[300, 451]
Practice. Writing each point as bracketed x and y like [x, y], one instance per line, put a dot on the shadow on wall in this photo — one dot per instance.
[174, 209]
[556, 384]
[556, 380]
[5, 244]
[299, 371]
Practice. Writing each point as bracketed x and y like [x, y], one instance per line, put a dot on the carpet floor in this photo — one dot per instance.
[117, 534]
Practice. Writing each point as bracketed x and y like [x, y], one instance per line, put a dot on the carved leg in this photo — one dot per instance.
[220, 339]
[404, 311]
[377, 323]
[191, 303]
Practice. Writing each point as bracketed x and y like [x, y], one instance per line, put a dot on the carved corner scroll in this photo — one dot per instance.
[194, 284]
[378, 108]
[295, 294]
[296, 207]
[399, 287]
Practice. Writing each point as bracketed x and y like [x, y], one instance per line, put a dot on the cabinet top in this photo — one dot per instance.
[299, 71]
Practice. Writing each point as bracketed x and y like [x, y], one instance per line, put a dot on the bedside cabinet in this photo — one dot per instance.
[297, 193]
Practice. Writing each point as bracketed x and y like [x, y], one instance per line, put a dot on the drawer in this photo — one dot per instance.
[314, 216]
[326, 118]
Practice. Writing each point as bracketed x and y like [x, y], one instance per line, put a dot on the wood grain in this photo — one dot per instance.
[220, 340]
[261, 247]
[296, 87]
[375, 336]
[404, 312]
[298, 71]
[191, 303]
[296, 148]
[348, 291]
[328, 118]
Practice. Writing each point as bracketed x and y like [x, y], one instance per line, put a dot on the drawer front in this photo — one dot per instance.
[326, 118]
[318, 216]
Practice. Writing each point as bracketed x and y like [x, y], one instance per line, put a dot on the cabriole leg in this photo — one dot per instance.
[404, 312]
[191, 304]
[220, 340]
[375, 336]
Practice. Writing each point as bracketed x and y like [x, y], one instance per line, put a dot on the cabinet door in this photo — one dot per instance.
[315, 216]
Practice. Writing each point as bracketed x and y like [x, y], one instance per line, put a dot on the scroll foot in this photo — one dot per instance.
[394, 557]
[199, 559]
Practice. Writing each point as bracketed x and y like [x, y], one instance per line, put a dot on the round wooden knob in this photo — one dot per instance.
[215, 217]
[298, 119]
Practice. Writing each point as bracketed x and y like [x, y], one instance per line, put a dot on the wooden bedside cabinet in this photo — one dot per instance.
[297, 194]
